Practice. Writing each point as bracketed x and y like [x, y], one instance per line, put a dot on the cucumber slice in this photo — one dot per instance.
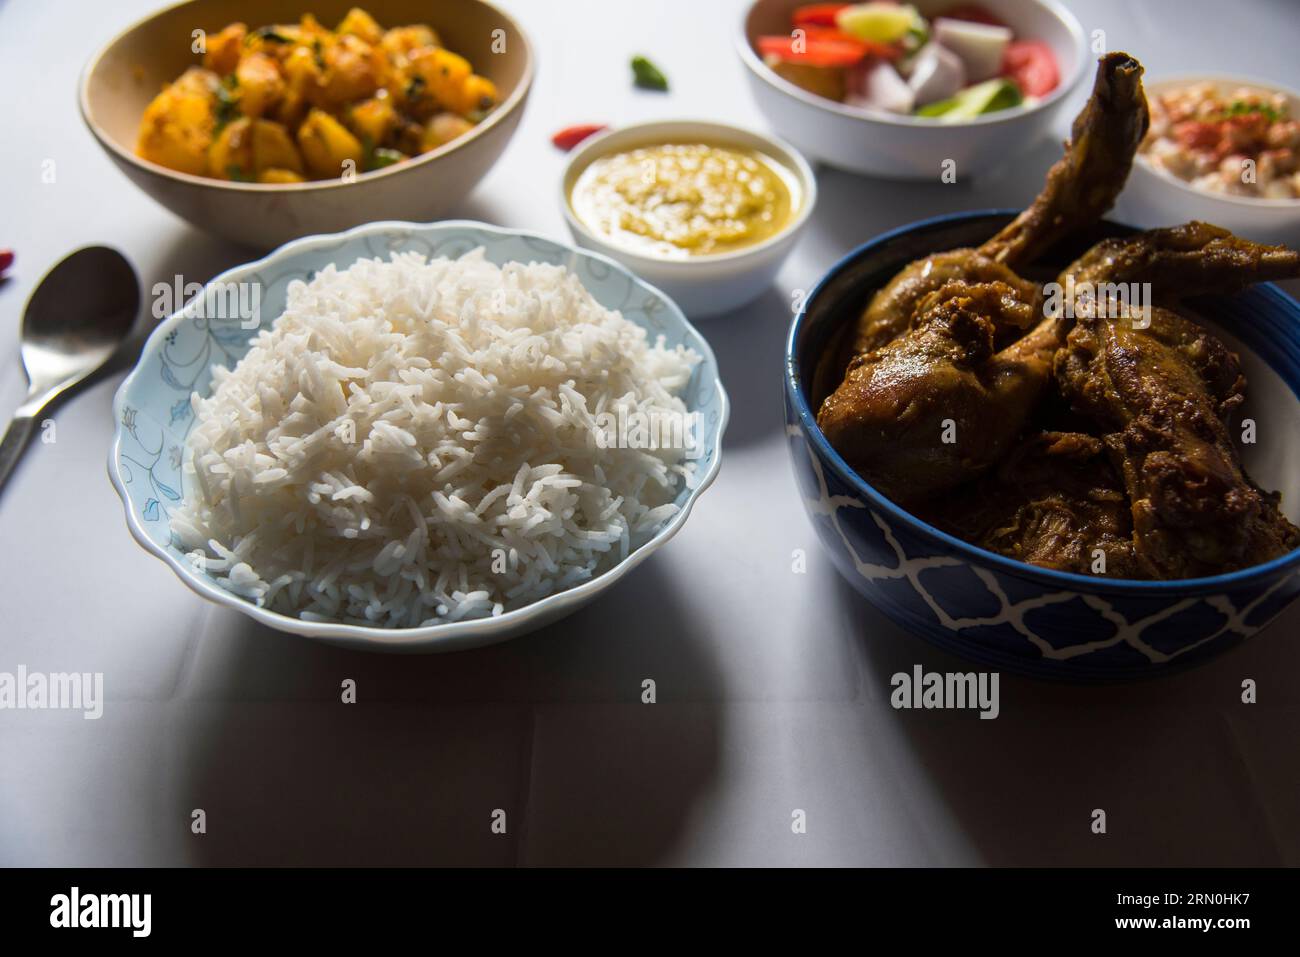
[882, 22]
[987, 97]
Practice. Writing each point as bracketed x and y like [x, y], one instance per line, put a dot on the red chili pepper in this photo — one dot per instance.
[571, 136]
[6, 260]
[817, 14]
[812, 52]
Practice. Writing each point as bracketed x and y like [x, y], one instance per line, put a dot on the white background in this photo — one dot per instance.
[773, 687]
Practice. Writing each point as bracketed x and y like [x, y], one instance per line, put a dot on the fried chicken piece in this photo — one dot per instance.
[890, 313]
[1181, 261]
[1054, 501]
[1088, 178]
[1163, 393]
[939, 405]
[1080, 188]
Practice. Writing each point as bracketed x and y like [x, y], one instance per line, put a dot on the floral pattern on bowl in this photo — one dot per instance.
[153, 412]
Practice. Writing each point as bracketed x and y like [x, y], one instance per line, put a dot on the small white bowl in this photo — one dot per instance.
[1155, 197]
[701, 285]
[879, 143]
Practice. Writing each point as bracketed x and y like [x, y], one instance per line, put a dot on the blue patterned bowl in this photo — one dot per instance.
[1005, 613]
[152, 409]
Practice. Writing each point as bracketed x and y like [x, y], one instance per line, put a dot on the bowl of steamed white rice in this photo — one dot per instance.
[416, 437]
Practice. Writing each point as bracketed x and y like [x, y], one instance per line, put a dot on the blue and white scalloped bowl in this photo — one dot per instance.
[1005, 613]
[152, 411]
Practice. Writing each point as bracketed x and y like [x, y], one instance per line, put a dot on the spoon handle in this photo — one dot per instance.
[20, 430]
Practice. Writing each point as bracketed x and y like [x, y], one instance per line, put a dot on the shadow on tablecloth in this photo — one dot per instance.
[1186, 773]
[549, 729]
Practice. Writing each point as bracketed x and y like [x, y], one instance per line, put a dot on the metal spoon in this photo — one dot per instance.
[79, 314]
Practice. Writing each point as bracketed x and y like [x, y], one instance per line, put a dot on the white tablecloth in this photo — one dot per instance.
[772, 687]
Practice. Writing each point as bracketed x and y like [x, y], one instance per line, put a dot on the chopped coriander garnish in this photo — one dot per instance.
[1243, 108]
[383, 156]
[227, 101]
[269, 34]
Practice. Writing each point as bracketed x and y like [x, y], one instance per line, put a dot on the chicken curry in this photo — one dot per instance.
[1086, 439]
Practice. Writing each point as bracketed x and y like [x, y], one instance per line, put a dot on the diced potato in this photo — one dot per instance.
[444, 128]
[273, 148]
[231, 156]
[373, 119]
[352, 72]
[326, 145]
[477, 94]
[177, 128]
[279, 176]
[198, 82]
[360, 24]
[412, 95]
[246, 148]
[224, 49]
[400, 41]
[260, 84]
[276, 41]
[302, 74]
[291, 109]
[409, 137]
[284, 102]
[443, 73]
[311, 27]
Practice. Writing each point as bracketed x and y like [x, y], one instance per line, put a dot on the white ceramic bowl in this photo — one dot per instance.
[879, 143]
[1154, 197]
[152, 411]
[701, 285]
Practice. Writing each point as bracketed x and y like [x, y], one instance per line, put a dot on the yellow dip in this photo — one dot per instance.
[685, 199]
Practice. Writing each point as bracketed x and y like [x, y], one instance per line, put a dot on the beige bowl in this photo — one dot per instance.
[125, 75]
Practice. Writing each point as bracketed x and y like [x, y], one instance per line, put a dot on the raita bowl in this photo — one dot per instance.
[708, 285]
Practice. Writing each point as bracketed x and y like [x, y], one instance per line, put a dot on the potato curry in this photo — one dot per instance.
[294, 102]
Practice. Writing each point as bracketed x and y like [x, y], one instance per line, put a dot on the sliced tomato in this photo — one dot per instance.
[811, 51]
[972, 13]
[817, 14]
[1032, 64]
[886, 51]
[1201, 135]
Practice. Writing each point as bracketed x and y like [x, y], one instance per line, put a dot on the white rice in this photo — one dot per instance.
[412, 442]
